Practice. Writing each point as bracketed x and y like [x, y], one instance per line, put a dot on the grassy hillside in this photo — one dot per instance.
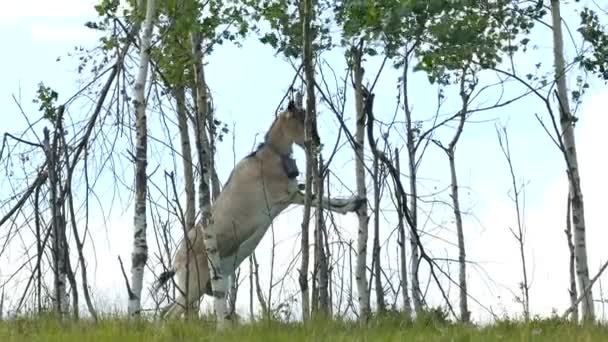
[120, 330]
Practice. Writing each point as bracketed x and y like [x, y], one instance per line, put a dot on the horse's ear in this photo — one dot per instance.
[291, 107]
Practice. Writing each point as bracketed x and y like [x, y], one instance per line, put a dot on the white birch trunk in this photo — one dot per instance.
[219, 281]
[571, 263]
[311, 160]
[411, 151]
[361, 267]
[139, 255]
[407, 307]
[451, 151]
[190, 214]
[60, 298]
[202, 140]
[380, 303]
[320, 255]
[312, 150]
[462, 273]
[569, 144]
[182, 122]
[204, 152]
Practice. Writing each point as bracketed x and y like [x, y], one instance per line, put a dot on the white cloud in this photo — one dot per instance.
[546, 248]
[15, 10]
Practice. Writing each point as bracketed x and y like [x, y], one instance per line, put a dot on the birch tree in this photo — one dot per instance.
[60, 297]
[567, 120]
[466, 87]
[199, 92]
[139, 255]
[362, 216]
[310, 122]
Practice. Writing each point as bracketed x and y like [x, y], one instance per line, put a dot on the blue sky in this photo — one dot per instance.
[247, 85]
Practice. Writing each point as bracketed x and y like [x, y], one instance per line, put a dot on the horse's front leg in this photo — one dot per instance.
[219, 280]
[339, 205]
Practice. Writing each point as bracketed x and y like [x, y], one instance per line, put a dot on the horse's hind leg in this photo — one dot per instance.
[198, 279]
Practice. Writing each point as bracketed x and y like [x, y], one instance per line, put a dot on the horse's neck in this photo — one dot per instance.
[277, 141]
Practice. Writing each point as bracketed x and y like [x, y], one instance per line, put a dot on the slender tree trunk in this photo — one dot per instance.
[320, 247]
[199, 93]
[81, 260]
[451, 152]
[251, 315]
[2, 304]
[462, 275]
[361, 267]
[233, 292]
[69, 271]
[60, 301]
[571, 267]
[182, 123]
[411, 151]
[258, 288]
[139, 255]
[569, 145]
[201, 138]
[311, 143]
[380, 303]
[211, 123]
[503, 140]
[38, 250]
[407, 307]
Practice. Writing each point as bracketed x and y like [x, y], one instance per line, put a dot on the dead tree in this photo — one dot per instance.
[60, 299]
[450, 151]
[519, 235]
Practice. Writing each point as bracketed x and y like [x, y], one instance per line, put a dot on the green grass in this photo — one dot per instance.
[119, 330]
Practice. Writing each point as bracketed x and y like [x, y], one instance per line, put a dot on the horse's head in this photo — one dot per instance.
[293, 126]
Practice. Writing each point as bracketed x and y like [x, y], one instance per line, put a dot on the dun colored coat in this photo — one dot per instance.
[259, 188]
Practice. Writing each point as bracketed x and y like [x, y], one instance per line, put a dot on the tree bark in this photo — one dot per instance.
[361, 267]
[60, 300]
[258, 288]
[462, 275]
[320, 255]
[251, 315]
[380, 303]
[182, 121]
[312, 178]
[201, 138]
[411, 151]
[451, 153]
[139, 255]
[189, 216]
[571, 265]
[569, 145]
[407, 307]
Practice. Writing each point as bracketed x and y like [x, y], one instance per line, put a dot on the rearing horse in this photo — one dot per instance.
[259, 188]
